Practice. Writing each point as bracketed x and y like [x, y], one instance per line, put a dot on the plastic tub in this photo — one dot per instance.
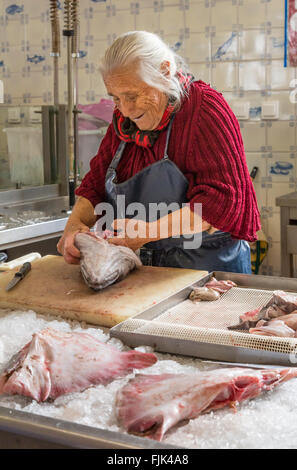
[88, 145]
[25, 155]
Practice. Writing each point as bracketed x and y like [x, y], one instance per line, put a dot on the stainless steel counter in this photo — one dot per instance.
[32, 220]
[43, 432]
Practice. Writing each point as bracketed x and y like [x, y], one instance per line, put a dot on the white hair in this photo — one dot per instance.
[151, 55]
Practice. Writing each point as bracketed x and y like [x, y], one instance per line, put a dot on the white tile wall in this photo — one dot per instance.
[235, 45]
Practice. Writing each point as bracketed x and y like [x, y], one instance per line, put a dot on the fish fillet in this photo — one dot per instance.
[280, 304]
[54, 363]
[149, 405]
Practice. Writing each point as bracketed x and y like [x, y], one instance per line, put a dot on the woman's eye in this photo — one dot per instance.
[131, 98]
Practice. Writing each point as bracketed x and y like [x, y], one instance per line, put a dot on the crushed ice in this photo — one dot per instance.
[258, 423]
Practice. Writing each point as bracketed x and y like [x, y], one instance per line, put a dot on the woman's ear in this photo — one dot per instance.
[165, 68]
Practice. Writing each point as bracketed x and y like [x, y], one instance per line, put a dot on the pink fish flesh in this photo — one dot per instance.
[149, 405]
[273, 328]
[280, 304]
[282, 326]
[220, 286]
[54, 363]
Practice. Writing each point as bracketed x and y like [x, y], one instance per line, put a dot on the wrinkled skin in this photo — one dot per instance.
[103, 263]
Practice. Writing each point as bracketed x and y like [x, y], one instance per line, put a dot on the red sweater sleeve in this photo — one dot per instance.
[92, 186]
[221, 181]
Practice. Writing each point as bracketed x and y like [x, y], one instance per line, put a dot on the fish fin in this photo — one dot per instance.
[139, 360]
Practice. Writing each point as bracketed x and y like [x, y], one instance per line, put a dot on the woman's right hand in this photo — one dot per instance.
[67, 248]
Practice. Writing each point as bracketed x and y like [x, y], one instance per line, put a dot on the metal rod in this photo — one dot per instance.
[68, 32]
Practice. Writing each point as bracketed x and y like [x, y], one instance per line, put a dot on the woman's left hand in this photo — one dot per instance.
[131, 233]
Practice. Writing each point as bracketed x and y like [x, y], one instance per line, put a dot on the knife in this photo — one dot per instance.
[19, 275]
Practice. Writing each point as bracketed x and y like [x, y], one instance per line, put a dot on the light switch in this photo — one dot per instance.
[14, 115]
[241, 109]
[35, 114]
[270, 110]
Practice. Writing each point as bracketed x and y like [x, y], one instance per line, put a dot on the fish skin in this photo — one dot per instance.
[203, 294]
[54, 363]
[103, 263]
[149, 405]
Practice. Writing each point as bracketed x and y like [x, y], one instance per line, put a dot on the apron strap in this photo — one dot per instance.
[167, 137]
[118, 155]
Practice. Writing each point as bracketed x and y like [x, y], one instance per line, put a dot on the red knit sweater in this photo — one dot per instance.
[207, 146]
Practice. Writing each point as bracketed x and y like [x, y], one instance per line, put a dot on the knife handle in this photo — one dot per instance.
[24, 270]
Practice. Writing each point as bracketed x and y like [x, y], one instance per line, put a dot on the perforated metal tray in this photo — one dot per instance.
[177, 325]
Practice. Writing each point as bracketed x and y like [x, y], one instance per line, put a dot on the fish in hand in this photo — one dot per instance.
[103, 263]
[54, 363]
[149, 405]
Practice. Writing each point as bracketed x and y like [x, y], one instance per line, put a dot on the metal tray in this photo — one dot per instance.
[159, 328]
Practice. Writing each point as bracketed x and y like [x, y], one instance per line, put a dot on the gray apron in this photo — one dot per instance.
[160, 182]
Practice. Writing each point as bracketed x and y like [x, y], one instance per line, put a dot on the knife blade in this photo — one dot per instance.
[19, 276]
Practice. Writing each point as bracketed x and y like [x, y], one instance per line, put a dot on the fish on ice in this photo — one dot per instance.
[54, 363]
[150, 405]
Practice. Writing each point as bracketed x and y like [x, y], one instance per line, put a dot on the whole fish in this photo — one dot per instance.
[280, 304]
[103, 263]
[54, 363]
[149, 405]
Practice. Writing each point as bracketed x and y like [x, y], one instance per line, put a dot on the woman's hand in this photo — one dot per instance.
[132, 233]
[67, 248]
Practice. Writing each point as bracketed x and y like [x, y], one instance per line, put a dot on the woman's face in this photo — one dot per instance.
[136, 100]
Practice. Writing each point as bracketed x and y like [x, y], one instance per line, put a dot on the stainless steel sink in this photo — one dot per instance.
[57, 206]
[33, 220]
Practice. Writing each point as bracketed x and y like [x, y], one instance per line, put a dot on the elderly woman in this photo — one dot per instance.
[172, 140]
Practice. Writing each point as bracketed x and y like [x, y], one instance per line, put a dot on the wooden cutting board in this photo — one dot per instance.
[55, 287]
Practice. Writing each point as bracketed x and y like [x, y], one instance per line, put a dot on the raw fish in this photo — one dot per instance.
[103, 263]
[286, 326]
[220, 286]
[54, 363]
[203, 293]
[273, 328]
[149, 405]
[280, 304]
